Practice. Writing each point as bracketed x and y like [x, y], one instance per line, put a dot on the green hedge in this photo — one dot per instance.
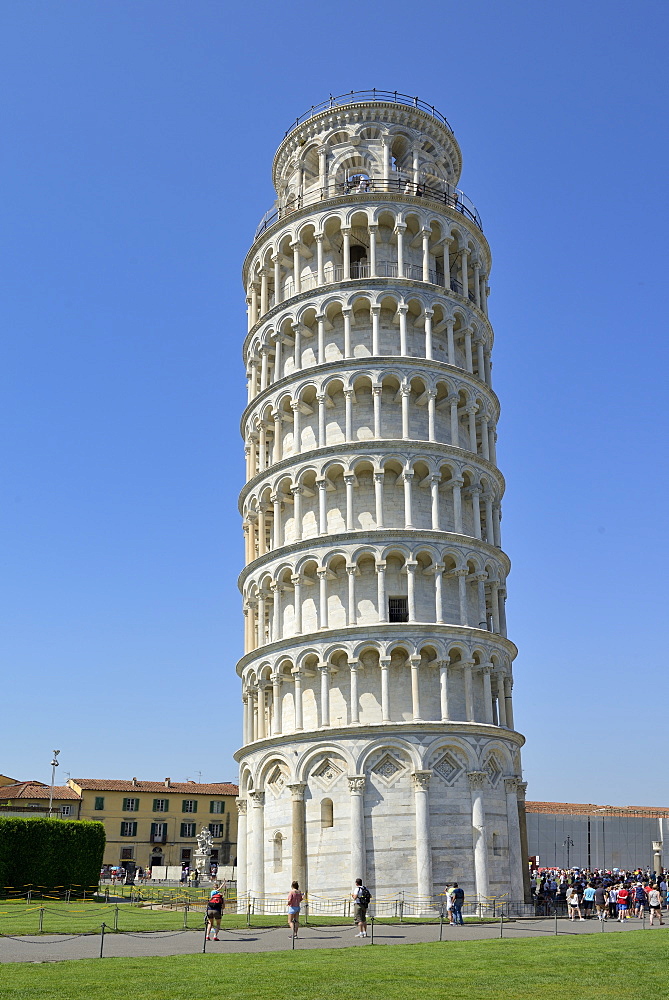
[50, 853]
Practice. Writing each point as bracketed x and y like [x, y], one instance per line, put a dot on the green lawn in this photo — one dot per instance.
[77, 917]
[588, 967]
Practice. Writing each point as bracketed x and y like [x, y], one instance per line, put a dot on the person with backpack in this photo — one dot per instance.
[215, 907]
[458, 897]
[361, 897]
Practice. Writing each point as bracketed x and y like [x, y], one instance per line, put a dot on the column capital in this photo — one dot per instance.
[400, 227]
[295, 579]
[511, 784]
[415, 660]
[464, 251]
[257, 798]
[349, 477]
[322, 483]
[380, 565]
[421, 780]
[297, 789]
[296, 490]
[521, 789]
[476, 778]
[345, 230]
[375, 309]
[384, 661]
[378, 477]
[276, 678]
[356, 783]
[241, 806]
[481, 577]
[319, 237]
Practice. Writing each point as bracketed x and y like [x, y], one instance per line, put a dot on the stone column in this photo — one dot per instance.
[402, 311]
[462, 594]
[277, 449]
[297, 267]
[319, 258]
[299, 851]
[296, 493]
[407, 479]
[429, 313]
[487, 694]
[411, 565]
[480, 360]
[241, 852]
[320, 321]
[322, 485]
[373, 230]
[450, 340]
[297, 679]
[443, 690]
[468, 352]
[431, 410]
[501, 594]
[501, 704]
[262, 534]
[245, 718]
[480, 585]
[348, 405]
[405, 393]
[264, 368]
[346, 253]
[297, 345]
[524, 847]
[385, 688]
[475, 492]
[473, 444]
[464, 253]
[386, 160]
[434, 498]
[476, 783]
[261, 711]
[351, 611]
[324, 671]
[354, 712]
[477, 285]
[254, 303]
[376, 312]
[377, 395]
[456, 485]
[346, 312]
[356, 786]
[423, 847]
[277, 533]
[276, 611]
[399, 233]
[468, 666]
[381, 591]
[508, 688]
[455, 422]
[256, 886]
[378, 498]
[497, 533]
[439, 593]
[425, 233]
[515, 848]
[297, 444]
[276, 260]
[276, 704]
[447, 268]
[349, 481]
[415, 687]
[485, 439]
[296, 581]
[322, 574]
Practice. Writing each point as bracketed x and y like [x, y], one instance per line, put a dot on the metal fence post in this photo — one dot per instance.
[102, 938]
[204, 939]
[116, 917]
[41, 918]
[185, 916]
[556, 930]
[501, 924]
[441, 922]
[371, 920]
[248, 913]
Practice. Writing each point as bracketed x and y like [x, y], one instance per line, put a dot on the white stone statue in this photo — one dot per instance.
[205, 841]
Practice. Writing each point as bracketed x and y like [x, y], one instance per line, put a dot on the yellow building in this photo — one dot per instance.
[151, 823]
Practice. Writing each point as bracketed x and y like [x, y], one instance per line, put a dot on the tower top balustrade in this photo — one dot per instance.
[364, 97]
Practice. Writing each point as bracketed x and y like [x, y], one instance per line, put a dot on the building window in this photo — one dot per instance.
[398, 609]
[158, 833]
[66, 810]
[188, 829]
[217, 807]
[189, 806]
[216, 829]
[161, 805]
[185, 854]
[99, 802]
[127, 853]
[327, 813]
[278, 852]
[129, 828]
[496, 845]
[130, 805]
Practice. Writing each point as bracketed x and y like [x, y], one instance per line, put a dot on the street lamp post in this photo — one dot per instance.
[568, 843]
[54, 765]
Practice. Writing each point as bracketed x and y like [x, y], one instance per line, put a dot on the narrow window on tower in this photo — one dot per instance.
[398, 609]
[327, 813]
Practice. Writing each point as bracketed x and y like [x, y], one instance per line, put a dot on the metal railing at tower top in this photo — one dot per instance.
[362, 97]
[451, 197]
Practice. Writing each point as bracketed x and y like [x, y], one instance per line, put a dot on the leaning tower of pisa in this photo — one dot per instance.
[378, 737]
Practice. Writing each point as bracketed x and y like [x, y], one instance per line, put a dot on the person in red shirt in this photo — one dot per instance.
[623, 902]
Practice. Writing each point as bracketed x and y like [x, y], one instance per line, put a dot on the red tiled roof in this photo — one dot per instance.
[192, 787]
[35, 790]
[589, 809]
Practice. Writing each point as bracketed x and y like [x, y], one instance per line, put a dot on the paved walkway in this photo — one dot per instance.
[60, 947]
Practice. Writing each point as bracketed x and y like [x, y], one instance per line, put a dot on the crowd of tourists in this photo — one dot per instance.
[613, 894]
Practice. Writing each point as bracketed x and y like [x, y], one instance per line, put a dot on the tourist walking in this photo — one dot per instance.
[601, 899]
[573, 903]
[655, 904]
[215, 907]
[361, 897]
[458, 895]
[295, 898]
[623, 900]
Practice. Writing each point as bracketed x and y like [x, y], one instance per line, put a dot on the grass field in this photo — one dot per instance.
[75, 918]
[588, 967]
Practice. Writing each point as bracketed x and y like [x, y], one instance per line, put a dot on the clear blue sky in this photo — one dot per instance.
[136, 153]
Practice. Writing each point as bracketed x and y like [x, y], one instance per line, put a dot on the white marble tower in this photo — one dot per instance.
[378, 722]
